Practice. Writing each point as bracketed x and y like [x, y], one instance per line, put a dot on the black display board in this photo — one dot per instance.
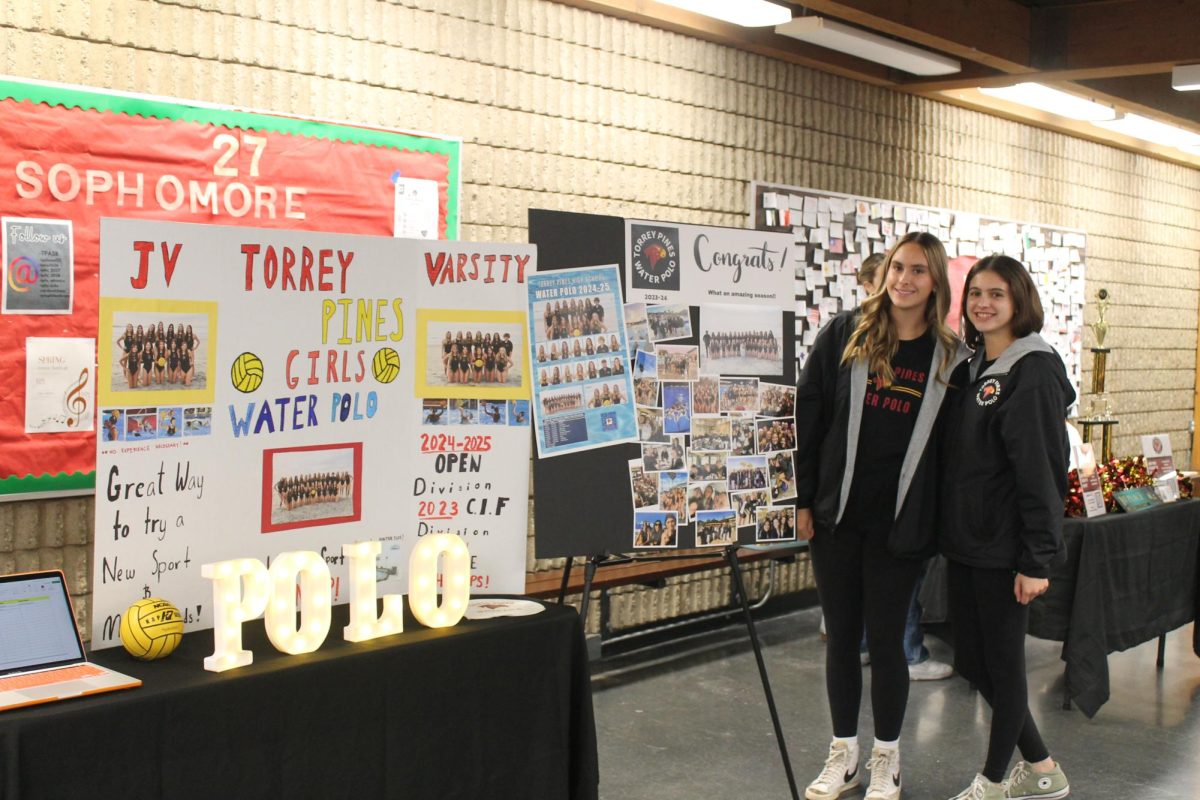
[583, 503]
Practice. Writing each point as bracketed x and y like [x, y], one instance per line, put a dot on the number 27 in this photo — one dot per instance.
[230, 144]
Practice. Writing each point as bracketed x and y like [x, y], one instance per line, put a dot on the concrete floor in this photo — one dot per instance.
[689, 720]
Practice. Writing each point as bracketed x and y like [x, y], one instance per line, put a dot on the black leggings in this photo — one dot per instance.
[860, 583]
[989, 651]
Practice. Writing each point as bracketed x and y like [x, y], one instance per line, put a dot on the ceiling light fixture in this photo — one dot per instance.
[1186, 78]
[845, 39]
[747, 13]
[1035, 95]
[1151, 131]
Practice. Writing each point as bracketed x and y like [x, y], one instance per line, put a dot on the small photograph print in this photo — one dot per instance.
[711, 433]
[715, 528]
[657, 529]
[744, 442]
[518, 412]
[463, 412]
[775, 400]
[600, 395]
[782, 475]
[170, 422]
[669, 322]
[645, 392]
[559, 401]
[672, 492]
[739, 395]
[706, 466]
[660, 457]
[747, 472]
[140, 424]
[197, 421]
[112, 425]
[579, 316]
[491, 412]
[308, 486]
[775, 524]
[745, 503]
[433, 412]
[643, 484]
[645, 364]
[776, 434]
[159, 350]
[637, 329]
[709, 496]
[650, 425]
[706, 395]
[473, 352]
[741, 340]
[677, 407]
[678, 362]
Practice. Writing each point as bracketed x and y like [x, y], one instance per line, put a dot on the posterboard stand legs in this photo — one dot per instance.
[736, 573]
[562, 589]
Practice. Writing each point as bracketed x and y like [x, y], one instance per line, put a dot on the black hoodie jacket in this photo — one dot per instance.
[829, 404]
[1005, 457]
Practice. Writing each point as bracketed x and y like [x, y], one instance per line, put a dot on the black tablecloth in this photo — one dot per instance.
[490, 709]
[1128, 578]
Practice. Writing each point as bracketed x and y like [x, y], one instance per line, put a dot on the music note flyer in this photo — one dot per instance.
[60, 384]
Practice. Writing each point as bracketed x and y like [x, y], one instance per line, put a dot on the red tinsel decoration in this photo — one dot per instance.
[1116, 475]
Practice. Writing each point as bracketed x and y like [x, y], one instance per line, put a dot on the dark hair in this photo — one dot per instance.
[1027, 315]
[869, 271]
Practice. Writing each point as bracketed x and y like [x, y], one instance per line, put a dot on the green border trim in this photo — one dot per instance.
[142, 106]
[17, 485]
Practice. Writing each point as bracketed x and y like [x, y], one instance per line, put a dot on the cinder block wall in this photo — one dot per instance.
[567, 109]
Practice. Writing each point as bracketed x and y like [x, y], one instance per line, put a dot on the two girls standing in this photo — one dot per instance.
[871, 405]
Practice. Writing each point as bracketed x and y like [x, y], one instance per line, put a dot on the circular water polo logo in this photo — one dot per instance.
[23, 272]
[246, 373]
[989, 393]
[654, 257]
[386, 365]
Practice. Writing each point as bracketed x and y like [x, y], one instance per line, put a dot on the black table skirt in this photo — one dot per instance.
[490, 709]
[1127, 579]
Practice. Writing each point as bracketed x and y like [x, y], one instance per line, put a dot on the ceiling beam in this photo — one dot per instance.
[763, 41]
[1120, 37]
[995, 33]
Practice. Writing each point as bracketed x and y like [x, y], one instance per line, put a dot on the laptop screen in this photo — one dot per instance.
[37, 628]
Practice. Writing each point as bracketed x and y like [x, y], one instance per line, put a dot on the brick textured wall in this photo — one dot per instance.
[567, 109]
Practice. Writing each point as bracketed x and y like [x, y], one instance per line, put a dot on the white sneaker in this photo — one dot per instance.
[929, 670]
[838, 777]
[885, 775]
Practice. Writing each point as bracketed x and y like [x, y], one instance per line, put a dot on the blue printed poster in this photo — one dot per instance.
[582, 392]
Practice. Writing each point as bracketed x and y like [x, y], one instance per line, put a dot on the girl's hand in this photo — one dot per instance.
[1026, 588]
[804, 524]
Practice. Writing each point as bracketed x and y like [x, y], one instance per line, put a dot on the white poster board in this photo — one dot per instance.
[302, 401]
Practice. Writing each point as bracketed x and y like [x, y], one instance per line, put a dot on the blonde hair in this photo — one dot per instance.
[874, 338]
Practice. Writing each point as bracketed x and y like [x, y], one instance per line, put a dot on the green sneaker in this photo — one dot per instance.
[1025, 784]
[981, 789]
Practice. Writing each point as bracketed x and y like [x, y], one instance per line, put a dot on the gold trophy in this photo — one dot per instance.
[1099, 407]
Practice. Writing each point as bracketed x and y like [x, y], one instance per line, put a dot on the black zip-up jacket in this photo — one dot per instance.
[1005, 460]
[829, 404]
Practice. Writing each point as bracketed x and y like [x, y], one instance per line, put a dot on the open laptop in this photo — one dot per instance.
[41, 654]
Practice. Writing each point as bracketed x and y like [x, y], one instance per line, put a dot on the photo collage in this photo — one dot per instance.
[157, 423]
[716, 450]
[462, 411]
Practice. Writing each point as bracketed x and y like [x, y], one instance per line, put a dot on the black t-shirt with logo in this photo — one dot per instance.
[888, 418]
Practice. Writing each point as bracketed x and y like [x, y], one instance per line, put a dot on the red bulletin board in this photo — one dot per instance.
[78, 154]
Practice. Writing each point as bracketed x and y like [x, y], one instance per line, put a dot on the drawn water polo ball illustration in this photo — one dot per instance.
[246, 372]
[386, 365]
[151, 629]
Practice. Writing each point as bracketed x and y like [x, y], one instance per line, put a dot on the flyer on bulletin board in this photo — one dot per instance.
[264, 391]
[583, 395]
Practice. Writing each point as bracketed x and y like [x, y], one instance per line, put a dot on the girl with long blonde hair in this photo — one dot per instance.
[866, 407]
